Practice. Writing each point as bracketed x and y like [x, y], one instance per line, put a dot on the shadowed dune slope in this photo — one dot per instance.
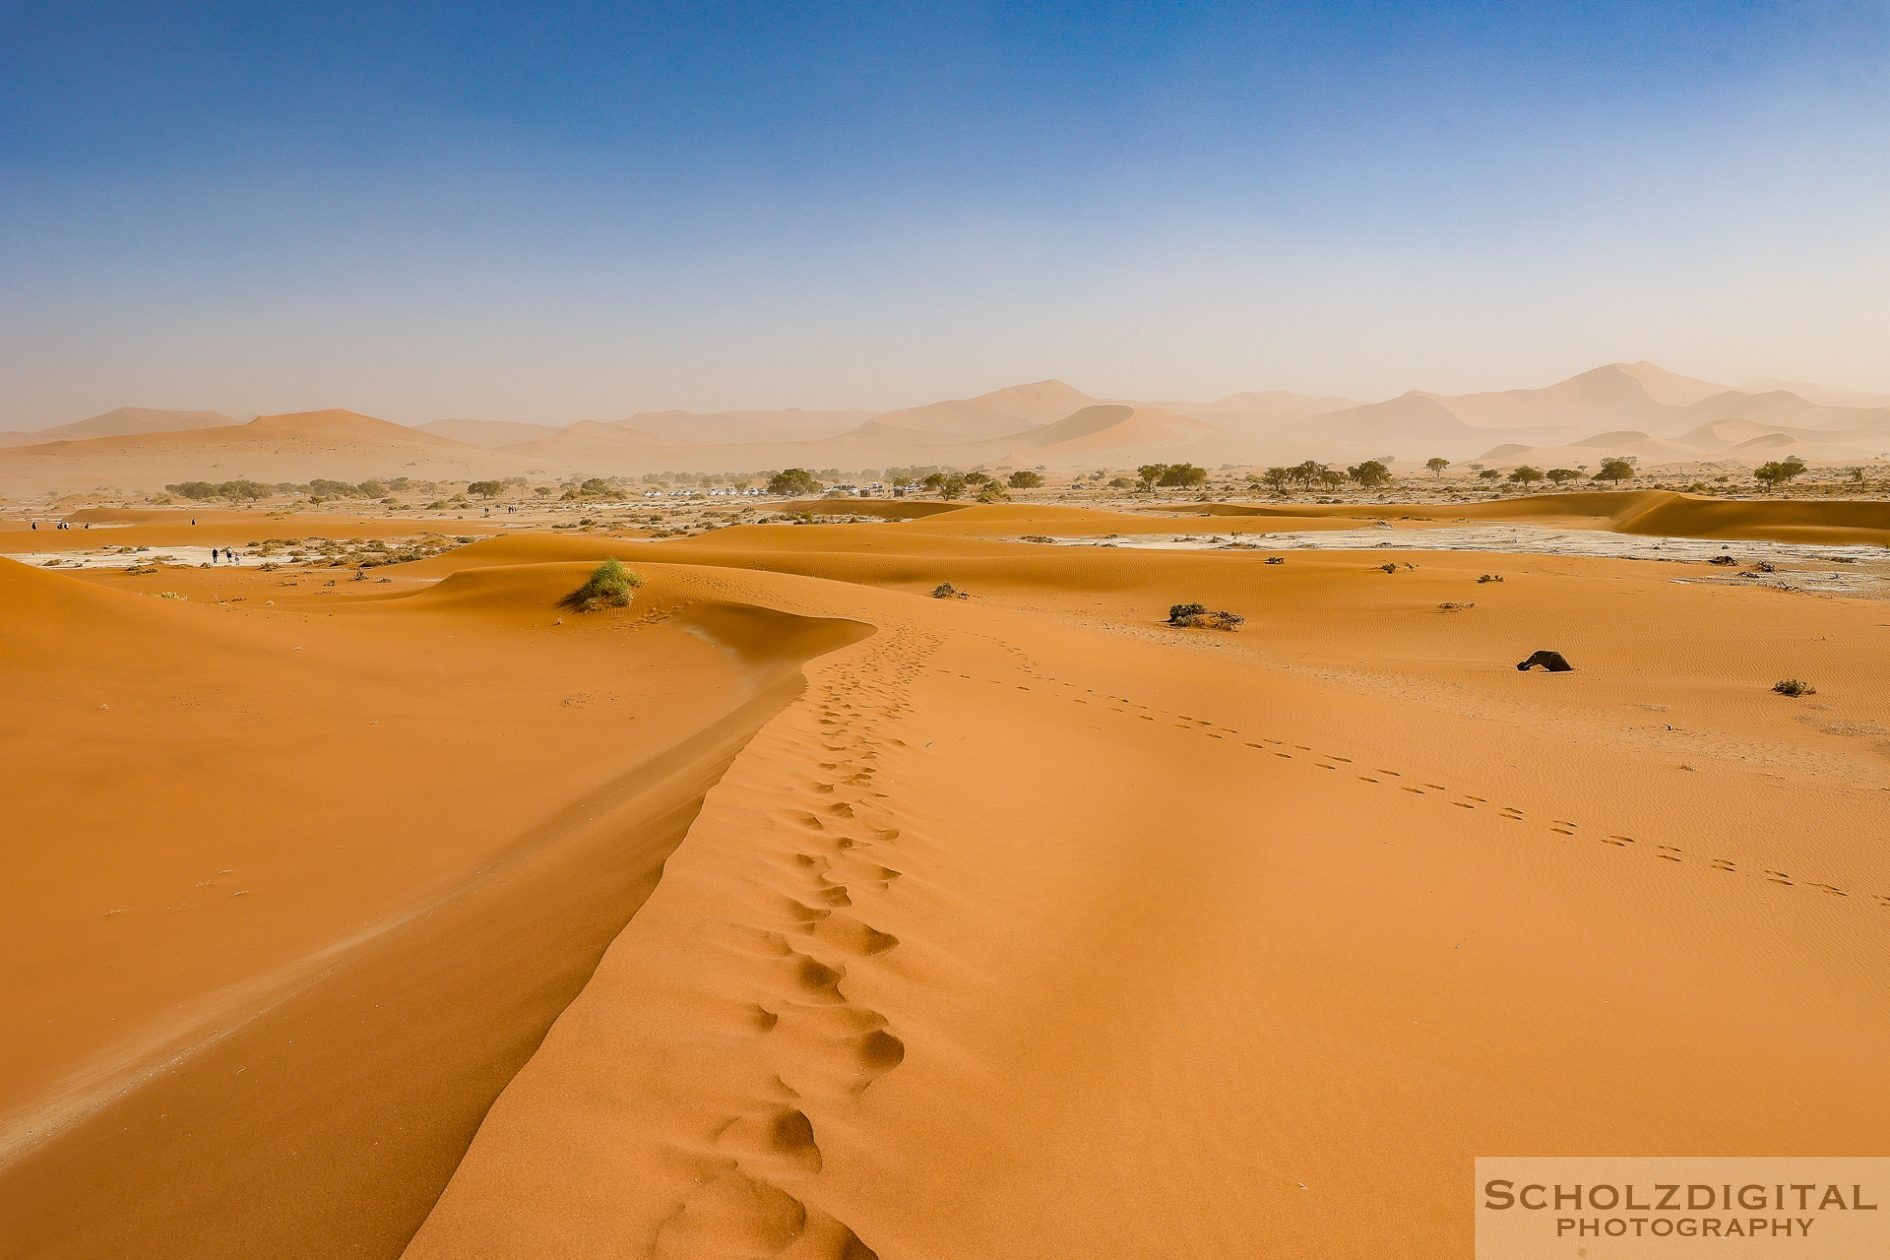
[267, 983]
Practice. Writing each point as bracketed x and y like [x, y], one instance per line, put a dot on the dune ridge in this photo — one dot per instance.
[952, 909]
[402, 1009]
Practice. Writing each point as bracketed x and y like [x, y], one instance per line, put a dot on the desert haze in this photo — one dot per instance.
[1635, 410]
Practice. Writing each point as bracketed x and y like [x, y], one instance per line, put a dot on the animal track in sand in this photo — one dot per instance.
[1557, 826]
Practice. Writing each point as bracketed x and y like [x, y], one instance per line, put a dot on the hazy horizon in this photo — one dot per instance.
[590, 211]
[244, 415]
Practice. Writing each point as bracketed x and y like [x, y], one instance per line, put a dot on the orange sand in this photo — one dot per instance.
[1029, 926]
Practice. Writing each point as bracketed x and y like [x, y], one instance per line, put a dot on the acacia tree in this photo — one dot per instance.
[1437, 464]
[1560, 475]
[1780, 471]
[1312, 473]
[1370, 473]
[793, 481]
[1614, 468]
[1525, 474]
[1025, 479]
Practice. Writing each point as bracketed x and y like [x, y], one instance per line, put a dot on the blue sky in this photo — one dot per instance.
[555, 211]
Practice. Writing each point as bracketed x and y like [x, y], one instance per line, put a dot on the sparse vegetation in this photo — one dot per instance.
[241, 490]
[1370, 474]
[609, 586]
[1201, 617]
[948, 485]
[1794, 687]
[1025, 479]
[945, 590]
[793, 481]
[1614, 468]
[1780, 472]
[1172, 476]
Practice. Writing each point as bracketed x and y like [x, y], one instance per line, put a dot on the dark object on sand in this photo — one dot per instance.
[1722, 560]
[945, 590]
[1276, 559]
[1554, 662]
[1199, 616]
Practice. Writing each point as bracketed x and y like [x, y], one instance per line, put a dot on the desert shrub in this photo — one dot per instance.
[1201, 617]
[945, 590]
[609, 586]
[1794, 687]
[1220, 620]
[1489, 577]
[1388, 567]
[1025, 479]
[1453, 606]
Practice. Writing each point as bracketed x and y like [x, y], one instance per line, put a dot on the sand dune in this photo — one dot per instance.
[962, 900]
[1258, 410]
[1612, 394]
[1014, 901]
[590, 443]
[488, 433]
[1000, 412]
[732, 427]
[1645, 411]
[291, 447]
[251, 981]
[1648, 512]
[1109, 429]
[119, 423]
